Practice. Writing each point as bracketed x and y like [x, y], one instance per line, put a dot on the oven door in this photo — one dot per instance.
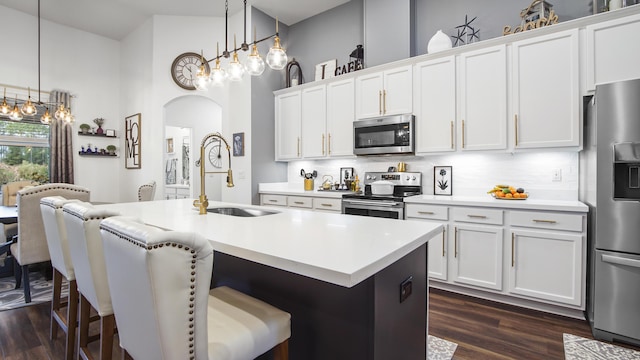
[383, 209]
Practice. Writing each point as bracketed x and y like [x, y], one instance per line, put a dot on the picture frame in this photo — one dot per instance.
[133, 141]
[238, 144]
[326, 70]
[110, 133]
[345, 173]
[169, 146]
[442, 180]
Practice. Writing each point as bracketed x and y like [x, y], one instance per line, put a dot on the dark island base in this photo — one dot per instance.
[328, 321]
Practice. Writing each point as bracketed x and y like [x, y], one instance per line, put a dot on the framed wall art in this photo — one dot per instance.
[442, 180]
[170, 149]
[132, 143]
[238, 144]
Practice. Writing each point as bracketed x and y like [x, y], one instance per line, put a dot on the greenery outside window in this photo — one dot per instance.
[24, 150]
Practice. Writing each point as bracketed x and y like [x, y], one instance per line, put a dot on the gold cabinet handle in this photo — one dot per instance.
[298, 146]
[380, 102]
[426, 212]
[329, 144]
[513, 242]
[544, 221]
[298, 202]
[477, 216]
[443, 242]
[273, 200]
[455, 243]
[463, 134]
[384, 102]
[327, 205]
[515, 118]
[322, 144]
[451, 134]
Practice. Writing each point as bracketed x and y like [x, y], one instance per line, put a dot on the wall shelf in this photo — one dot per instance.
[96, 154]
[96, 135]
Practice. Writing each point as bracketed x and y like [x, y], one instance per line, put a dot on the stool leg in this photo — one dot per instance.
[17, 273]
[55, 302]
[83, 329]
[107, 325]
[25, 279]
[281, 351]
[125, 355]
[72, 319]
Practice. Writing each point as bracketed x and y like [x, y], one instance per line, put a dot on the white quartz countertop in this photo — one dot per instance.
[298, 189]
[339, 249]
[488, 201]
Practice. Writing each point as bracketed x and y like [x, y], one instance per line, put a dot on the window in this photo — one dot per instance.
[24, 150]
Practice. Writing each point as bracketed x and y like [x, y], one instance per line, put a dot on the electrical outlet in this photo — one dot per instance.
[557, 175]
[406, 287]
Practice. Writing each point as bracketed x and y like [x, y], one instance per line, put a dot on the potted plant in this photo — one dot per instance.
[111, 149]
[85, 128]
[99, 122]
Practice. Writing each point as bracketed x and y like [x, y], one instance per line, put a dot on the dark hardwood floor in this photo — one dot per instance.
[482, 329]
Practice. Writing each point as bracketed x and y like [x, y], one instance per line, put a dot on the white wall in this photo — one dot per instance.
[85, 64]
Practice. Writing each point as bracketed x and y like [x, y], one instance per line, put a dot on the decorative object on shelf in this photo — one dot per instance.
[99, 122]
[293, 78]
[326, 69]
[111, 149]
[132, 143]
[238, 144]
[539, 13]
[29, 107]
[110, 133]
[439, 42]
[356, 62]
[85, 128]
[346, 177]
[276, 59]
[442, 180]
[169, 148]
[467, 34]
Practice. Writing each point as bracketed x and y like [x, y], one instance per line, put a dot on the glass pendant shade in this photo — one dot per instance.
[68, 117]
[46, 117]
[61, 113]
[5, 108]
[236, 70]
[28, 108]
[15, 114]
[255, 64]
[218, 76]
[277, 57]
[202, 79]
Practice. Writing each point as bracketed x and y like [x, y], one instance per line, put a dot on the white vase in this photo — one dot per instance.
[440, 41]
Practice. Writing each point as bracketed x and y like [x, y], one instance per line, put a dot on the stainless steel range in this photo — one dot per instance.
[384, 194]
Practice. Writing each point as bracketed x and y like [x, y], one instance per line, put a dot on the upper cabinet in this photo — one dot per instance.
[340, 117]
[387, 92]
[435, 104]
[314, 117]
[482, 95]
[288, 128]
[611, 52]
[546, 91]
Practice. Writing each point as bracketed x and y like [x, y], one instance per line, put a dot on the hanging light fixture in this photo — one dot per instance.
[15, 114]
[4, 107]
[28, 109]
[46, 117]
[255, 65]
[203, 78]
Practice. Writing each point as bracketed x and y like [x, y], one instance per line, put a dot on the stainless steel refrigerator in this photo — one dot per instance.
[610, 185]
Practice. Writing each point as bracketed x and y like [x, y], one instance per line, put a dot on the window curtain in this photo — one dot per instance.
[61, 141]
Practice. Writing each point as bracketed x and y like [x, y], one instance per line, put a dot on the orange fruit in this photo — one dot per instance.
[508, 196]
[523, 196]
[516, 196]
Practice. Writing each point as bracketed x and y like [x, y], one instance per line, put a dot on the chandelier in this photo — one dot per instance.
[254, 65]
[30, 108]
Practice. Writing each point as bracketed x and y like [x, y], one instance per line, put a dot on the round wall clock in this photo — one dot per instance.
[184, 69]
[215, 158]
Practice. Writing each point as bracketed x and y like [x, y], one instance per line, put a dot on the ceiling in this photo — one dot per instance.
[117, 18]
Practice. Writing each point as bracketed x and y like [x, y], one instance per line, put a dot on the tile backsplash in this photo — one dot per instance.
[473, 174]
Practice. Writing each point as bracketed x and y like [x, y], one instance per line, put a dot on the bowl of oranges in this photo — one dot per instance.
[508, 192]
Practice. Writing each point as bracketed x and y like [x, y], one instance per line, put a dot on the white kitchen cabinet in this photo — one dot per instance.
[340, 117]
[546, 265]
[435, 105]
[273, 200]
[437, 264]
[315, 203]
[327, 204]
[611, 52]
[482, 95]
[546, 91]
[288, 125]
[314, 120]
[300, 202]
[177, 191]
[387, 92]
[477, 256]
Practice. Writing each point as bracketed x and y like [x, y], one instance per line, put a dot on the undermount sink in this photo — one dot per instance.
[243, 212]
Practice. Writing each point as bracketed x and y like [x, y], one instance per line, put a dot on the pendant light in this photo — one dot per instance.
[28, 108]
[277, 57]
[4, 107]
[218, 75]
[15, 114]
[236, 70]
[46, 117]
[203, 78]
[61, 113]
[255, 64]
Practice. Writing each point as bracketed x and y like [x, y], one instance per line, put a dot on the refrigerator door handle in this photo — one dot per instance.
[620, 261]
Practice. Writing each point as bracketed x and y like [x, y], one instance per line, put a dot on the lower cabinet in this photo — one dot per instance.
[508, 255]
[326, 204]
[477, 256]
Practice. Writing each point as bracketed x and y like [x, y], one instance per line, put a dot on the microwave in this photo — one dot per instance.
[384, 135]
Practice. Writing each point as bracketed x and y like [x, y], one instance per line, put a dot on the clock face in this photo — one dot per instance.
[215, 158]
[184, 69]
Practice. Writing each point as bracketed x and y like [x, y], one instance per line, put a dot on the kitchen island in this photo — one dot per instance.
[356, 287]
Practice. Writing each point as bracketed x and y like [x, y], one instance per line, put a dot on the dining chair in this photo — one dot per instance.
[175, 315]
[31, 247]
[82, 221]
[56, 235]
[9, 195]
[146, 192]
